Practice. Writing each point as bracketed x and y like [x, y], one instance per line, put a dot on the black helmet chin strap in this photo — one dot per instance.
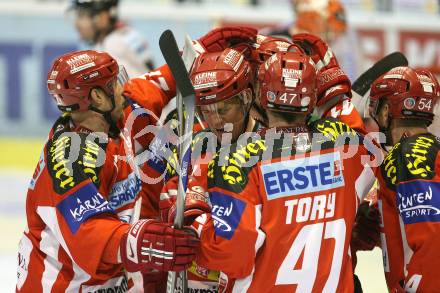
[387, 131]
[114, 129]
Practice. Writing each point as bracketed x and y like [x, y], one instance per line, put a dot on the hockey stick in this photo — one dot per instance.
[170, 51]
[362, 84]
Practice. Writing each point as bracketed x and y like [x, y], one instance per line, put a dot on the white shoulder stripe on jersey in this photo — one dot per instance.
[49, 217]
[242, 285]
[52, 266]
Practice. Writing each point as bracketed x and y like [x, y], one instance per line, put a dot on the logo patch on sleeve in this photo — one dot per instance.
[419, 201]
[226, 212]
[84, 203]
[303, 175]
[125, 191]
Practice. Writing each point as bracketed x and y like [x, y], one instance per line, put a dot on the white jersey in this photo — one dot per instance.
[128, 47]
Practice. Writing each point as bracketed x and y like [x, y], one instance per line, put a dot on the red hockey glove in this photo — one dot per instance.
[150, 244]
[221, 38]
[196, 201]
[332, 82]
[238, 37]
[317, 49]
[366, 233]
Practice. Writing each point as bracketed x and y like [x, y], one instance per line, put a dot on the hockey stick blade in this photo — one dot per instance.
[363, 83]
[170, 52]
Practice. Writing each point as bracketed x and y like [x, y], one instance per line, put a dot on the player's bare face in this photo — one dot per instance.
[225, 114]
[84, 25]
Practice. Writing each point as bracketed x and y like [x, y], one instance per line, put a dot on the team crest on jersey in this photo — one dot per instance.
[226, 212]
[124, 191]
[84, 203]
[303, 175]
[418, 201]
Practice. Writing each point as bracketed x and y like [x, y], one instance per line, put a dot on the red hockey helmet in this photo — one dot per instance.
[74, 75]
[287, 83]
[219, 76]
[267, 46]
[410, 93]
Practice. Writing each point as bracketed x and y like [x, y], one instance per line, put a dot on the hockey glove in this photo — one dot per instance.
[150, 244]
[366, 233]
[332, 82]
[221, 38]
[196, 201]
[317, 49]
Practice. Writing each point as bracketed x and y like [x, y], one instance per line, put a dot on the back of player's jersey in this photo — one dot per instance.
[308, 208]
[77, 209]
[288, 220]
[409, 201]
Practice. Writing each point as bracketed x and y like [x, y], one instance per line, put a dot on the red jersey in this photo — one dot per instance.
[281, 218]
[151, 92]
[80, 202]
[409, 202]
[345, 111]
[151, 104]
[146, 97]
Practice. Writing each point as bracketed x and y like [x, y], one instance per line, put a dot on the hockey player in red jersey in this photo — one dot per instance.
[146, 97]
[334, 100]
[224, 95]
[154, 92]
[83, 232]
[402, 103]
[282, 212]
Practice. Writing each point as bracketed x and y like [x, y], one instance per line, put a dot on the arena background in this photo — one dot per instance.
[34, 32]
